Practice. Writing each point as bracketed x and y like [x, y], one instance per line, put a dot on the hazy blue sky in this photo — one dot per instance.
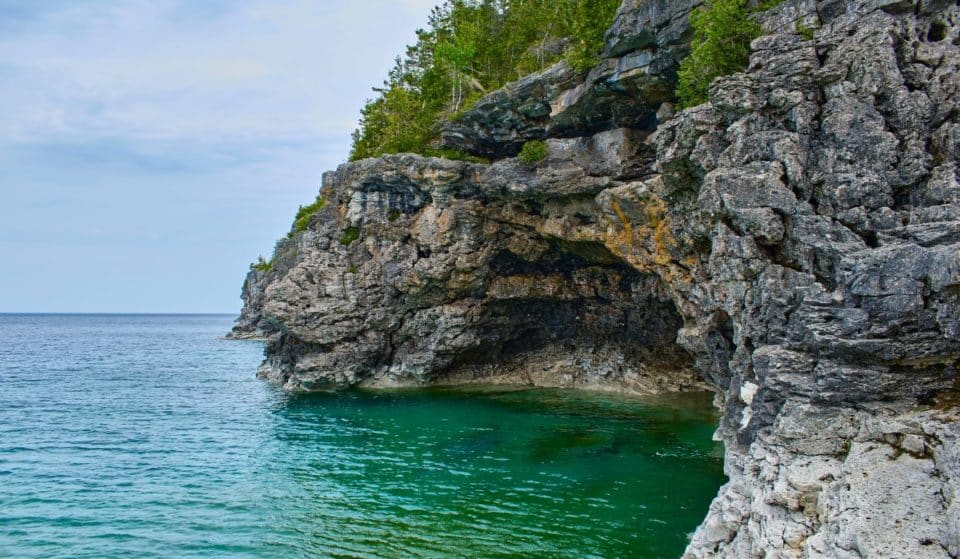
[151, 149]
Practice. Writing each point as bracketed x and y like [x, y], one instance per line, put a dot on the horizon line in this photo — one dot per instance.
[108, 313]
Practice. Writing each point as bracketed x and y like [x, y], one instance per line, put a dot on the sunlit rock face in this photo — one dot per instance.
[431, 271]
[794, 244]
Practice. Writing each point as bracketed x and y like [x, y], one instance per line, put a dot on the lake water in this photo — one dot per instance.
[148, 436]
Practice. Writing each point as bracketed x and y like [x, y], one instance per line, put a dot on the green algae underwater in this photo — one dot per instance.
[148, 436]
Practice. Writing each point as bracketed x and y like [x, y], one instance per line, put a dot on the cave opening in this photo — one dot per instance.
[577, 316]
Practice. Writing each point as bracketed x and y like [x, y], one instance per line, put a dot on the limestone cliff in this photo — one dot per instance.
[794, 244]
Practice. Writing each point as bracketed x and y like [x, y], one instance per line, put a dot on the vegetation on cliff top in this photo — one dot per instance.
[723, 30]
[262, 265]
[470, 48]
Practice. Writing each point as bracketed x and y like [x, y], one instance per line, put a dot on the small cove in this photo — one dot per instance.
[148, 436]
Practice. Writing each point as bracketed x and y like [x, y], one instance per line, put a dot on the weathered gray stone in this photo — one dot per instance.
[865, 319]
[248, 324]
[464, 272]
[500, 123]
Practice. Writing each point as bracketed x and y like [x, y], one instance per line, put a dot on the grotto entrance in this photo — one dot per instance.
[578, 316]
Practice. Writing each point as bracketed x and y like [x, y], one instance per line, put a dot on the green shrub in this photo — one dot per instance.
[349, 235]
[305, 213]
[804, 31]
[722, 30]
[533, 152]
[262, 265]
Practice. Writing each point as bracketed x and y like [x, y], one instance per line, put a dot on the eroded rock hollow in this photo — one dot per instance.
[794, 244]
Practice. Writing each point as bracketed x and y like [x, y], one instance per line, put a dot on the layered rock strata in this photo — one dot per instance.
[794, 243]
[429, 271]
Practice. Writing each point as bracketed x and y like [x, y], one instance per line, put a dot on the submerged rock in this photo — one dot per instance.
[794, 243]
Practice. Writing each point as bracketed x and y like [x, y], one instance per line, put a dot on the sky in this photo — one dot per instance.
[151, 149]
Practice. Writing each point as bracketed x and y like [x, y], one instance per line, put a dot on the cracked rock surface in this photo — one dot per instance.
[794, 244]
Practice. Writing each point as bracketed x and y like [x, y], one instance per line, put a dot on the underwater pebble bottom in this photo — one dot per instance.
[148, 436]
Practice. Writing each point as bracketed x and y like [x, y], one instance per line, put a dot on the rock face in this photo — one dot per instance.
[825, 181]
[428, 270]
[250, 323]
[794, 243]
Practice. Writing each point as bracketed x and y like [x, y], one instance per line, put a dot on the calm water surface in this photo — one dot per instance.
[147, 436]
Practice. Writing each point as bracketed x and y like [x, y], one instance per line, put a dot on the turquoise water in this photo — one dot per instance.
[147, 436]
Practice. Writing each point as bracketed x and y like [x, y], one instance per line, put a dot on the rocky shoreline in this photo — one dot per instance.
[794, 244]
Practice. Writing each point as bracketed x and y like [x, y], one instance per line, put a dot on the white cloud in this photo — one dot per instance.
[172, 138]
[276, 70]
